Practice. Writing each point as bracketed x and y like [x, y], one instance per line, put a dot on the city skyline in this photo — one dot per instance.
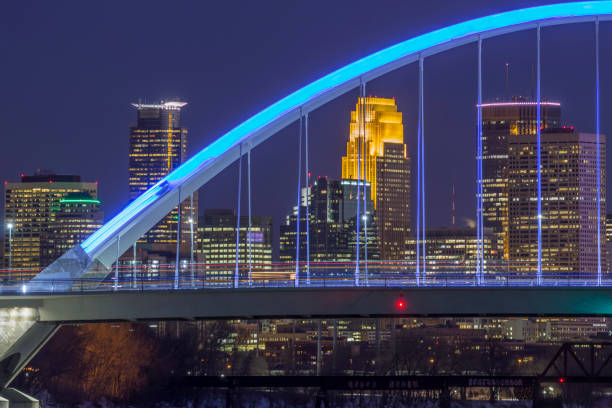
[305, 204]
[155, 150]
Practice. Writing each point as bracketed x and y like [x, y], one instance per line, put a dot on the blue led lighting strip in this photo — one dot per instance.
[598, 163]
[448, 36]
[539, 154]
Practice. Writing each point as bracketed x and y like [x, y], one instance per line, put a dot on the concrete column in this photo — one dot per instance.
[318, 347]
[377, 335]
[17, 399]
[334, 344]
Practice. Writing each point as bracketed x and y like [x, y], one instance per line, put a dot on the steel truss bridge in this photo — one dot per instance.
[36, 306]
[567, 366]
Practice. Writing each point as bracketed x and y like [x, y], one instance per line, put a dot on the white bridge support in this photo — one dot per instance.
[22, 347]
[119, 234]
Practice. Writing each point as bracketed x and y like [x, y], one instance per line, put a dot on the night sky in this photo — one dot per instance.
[71, 69]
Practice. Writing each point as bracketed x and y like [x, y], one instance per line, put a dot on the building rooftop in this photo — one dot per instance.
[519, 103]
[170, 105]
[57, 178]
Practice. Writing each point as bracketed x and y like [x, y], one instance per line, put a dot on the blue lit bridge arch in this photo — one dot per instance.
[122, 231]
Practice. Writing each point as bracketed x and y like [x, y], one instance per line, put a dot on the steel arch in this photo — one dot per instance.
[118, 234]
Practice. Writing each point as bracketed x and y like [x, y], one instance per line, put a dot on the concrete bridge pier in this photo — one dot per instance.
[21, 337]
[16, 399]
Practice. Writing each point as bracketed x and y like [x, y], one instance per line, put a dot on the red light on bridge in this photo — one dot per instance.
[561, 380]
[400, 304]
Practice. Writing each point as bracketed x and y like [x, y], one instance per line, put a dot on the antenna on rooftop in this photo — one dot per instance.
[532, 80]
[453, 206]
[507, 81]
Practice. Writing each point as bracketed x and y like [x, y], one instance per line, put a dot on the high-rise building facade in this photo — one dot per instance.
[158, 145]
[500, 120]
[569, 203]
[453, 252]
[377, 135]
[76, 217]
[32, 207]
[331, 235]
[216, 245]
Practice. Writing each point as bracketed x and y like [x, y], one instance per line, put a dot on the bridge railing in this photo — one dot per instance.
[391, 274]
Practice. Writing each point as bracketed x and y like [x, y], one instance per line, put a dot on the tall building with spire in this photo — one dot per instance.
[500, 121]
[158, 145]
[376, 151]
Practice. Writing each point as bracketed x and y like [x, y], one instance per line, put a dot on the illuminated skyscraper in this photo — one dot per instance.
[158, 145]
[332, 230]
[32, 207]
[76, 217]
[569, 203]
[386, 166]
[499, 121]
[453, 251]
[216, 243]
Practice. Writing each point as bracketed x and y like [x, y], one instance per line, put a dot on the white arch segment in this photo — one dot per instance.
[133, 221]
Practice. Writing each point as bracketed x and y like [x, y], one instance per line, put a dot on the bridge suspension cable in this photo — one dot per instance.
[597, 130]
[308, 193]
[116, 283]
[357, 221]
[134, 267]
[299, 192]
[365, 178]
[237, 271]
[539, 154]
[178, 242]
[421, 234]
[479, 177]
[249, 235]
[191, 222]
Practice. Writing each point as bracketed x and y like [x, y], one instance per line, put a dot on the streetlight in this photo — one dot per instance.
[10, 230]
[365, 232]
[191, 256]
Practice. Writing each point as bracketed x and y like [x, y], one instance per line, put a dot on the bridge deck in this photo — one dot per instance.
[315, 303]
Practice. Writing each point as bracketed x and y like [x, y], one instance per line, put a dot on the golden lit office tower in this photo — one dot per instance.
[158, 145]
[499, 121]
[386, 166]
[31, 207]
[569, 203]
